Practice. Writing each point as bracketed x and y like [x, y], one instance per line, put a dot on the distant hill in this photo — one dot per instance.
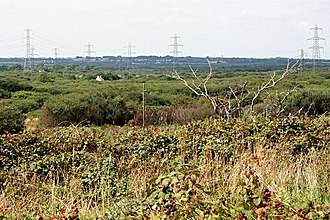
[219, 64]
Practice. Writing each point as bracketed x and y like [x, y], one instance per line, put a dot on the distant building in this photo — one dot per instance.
[99, 79]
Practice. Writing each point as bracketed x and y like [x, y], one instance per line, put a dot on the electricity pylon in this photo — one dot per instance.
[176, 49]
[55, 55]
[130, 53]
[316, 44]
[176, 46]
[89, 51]
[302, 56]
[28, 51]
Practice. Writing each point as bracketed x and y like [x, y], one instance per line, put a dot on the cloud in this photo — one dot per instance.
[176, 16]
[317, 4]
[259, 13]
[302, 25]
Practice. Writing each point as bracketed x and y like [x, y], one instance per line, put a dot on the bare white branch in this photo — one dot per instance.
[223, 106]
[273, 81]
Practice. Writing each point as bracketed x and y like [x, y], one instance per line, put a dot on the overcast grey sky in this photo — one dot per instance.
[232, 28]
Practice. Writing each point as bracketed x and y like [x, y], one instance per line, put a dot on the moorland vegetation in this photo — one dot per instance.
[74, 148]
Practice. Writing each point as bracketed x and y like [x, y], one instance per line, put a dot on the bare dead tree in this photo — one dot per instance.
[277, 101]
[273, 81]
[225, 106]
[239, 96]
[200, 89]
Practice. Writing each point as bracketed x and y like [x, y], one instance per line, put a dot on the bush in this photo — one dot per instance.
[13, 86]
[313, 102]
[181, 115]
[11, 119]
[106, 75]
[15, 67]
[4, 94]
[97, 109]
[45, 78]
[26, 105]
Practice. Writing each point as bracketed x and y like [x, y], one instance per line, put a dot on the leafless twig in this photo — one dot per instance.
[273, 81]
[224, 105]
[201, 88]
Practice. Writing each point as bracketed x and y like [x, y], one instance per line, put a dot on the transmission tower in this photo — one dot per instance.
[316, 44]
[55, 55]
[89, 51]
[130, 52]
[120, 62]
[32, 54]
[302, 56]
[29, 51]
[176, 46]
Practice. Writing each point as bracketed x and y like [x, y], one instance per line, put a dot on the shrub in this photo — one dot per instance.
[13, 86]
[312, 102]
[11, 119]
[181, 115]
[4, 94]
[45, 78]
[15, 67]
[106, 75]
[95, 109]
[72, 68]
[26, 105]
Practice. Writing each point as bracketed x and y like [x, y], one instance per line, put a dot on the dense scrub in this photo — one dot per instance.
[11, 118]
[56, 95]
[231, 169]
[97, 109]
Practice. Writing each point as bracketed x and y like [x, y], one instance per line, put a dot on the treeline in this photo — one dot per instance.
[55, 68]
[14, 67]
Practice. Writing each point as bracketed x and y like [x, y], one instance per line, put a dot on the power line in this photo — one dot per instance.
[316, 44]
[46, 49]
[46, 42]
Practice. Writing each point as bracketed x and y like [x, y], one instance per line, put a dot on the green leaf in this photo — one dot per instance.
[257, 201]
[165, 182]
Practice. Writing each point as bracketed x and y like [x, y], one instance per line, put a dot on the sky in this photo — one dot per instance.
[229, 28]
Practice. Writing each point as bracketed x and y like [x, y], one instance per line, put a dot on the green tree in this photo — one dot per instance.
[90, 68]
[58, 68]
[3, 68]
[42, 68]
[45, 78]
[72, 68]
[15, 67]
